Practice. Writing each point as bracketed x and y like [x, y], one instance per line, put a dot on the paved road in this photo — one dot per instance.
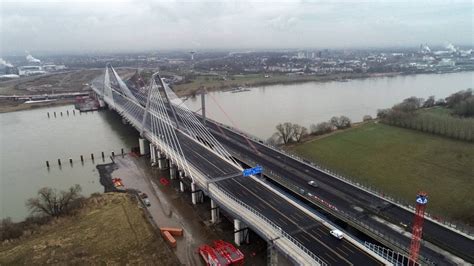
[346, 197]
[292, 220]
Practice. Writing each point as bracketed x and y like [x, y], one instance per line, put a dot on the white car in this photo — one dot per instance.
[337, 234]
[313, 183]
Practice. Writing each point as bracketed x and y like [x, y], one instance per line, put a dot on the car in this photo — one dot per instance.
[313, 183]
[337, 233]
[147, 202]
[143, 195]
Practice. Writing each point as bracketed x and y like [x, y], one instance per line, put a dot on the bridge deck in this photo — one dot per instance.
[301, 226]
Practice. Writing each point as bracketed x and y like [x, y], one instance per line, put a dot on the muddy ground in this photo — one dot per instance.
[110, 229]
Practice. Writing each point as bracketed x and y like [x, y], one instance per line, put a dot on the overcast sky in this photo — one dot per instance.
[138, 25]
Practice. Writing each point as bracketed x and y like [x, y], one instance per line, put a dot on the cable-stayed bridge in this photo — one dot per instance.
[206, 168]
[205, 156]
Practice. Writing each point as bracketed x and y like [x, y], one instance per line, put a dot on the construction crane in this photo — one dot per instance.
[417, 229]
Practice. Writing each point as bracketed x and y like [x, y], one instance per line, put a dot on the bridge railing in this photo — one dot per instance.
[282, 234]
[394, 257]
[457, 226]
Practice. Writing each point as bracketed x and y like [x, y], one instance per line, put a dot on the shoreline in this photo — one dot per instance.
[7, 106]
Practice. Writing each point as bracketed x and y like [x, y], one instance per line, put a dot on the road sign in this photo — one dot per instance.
[252, 171]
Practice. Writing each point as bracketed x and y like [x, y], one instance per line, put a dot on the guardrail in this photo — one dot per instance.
[456, 226]
[394, 257]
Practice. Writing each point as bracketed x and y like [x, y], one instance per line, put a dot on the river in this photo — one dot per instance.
[29, 138]
[258, 111]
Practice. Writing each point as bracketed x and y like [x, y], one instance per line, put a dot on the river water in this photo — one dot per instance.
[29, 138]
[258, 111]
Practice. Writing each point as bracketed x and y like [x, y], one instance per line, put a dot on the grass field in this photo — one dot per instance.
[111, 229]
[401, 162]
[438, 110]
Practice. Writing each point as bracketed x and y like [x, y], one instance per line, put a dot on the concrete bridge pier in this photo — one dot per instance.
[160, 157]
[152, 154]
[194, 193]
[181, 184]
[272, 255]
[241, 233]
[173, 171]
[214, 212]
[144, 147]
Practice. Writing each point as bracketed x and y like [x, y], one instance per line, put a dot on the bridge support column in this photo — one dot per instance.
[237, 232]
[194, 193]
[214, 212]
[181, 184]
[152, 154]
[143, 144]
[241, 232]
[173, 171]
[272, 255]
[161, 160]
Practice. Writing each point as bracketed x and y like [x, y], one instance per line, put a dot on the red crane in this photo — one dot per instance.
[417, 229]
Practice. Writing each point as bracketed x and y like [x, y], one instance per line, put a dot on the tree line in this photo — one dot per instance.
[459, 124]
[287, 132]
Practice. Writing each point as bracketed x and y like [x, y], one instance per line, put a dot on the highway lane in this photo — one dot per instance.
[285, 215]
[345, 196]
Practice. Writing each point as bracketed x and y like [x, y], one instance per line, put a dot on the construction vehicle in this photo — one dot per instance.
[221, 254]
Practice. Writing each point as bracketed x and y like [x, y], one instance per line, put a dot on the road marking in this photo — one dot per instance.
[348, 249]
[328, 256]
[215, 166]
[283, 221]
[305, 238]
[315, 232]
[340, 250]
[363, 251]
[294, 217]
[293, 222]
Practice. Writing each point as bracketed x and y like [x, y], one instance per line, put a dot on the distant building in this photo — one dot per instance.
[445, 62]
[30, 70]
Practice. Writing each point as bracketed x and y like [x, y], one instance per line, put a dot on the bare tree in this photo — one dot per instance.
[430, 102]
[340, 122]
[274, 140]
[367, 118]
[299, 132]
[54, 203]
[286, 132]
[344, 122]
[321, 128]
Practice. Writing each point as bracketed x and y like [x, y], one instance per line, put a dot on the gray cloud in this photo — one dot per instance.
[90, 26]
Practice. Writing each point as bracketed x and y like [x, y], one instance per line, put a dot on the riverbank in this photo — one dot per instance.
[109, 229]
[216, 83]
[401, 162]
[12, 106]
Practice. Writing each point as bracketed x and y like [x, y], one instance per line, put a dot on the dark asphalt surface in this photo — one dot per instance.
[346, 197]
[292, 220]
